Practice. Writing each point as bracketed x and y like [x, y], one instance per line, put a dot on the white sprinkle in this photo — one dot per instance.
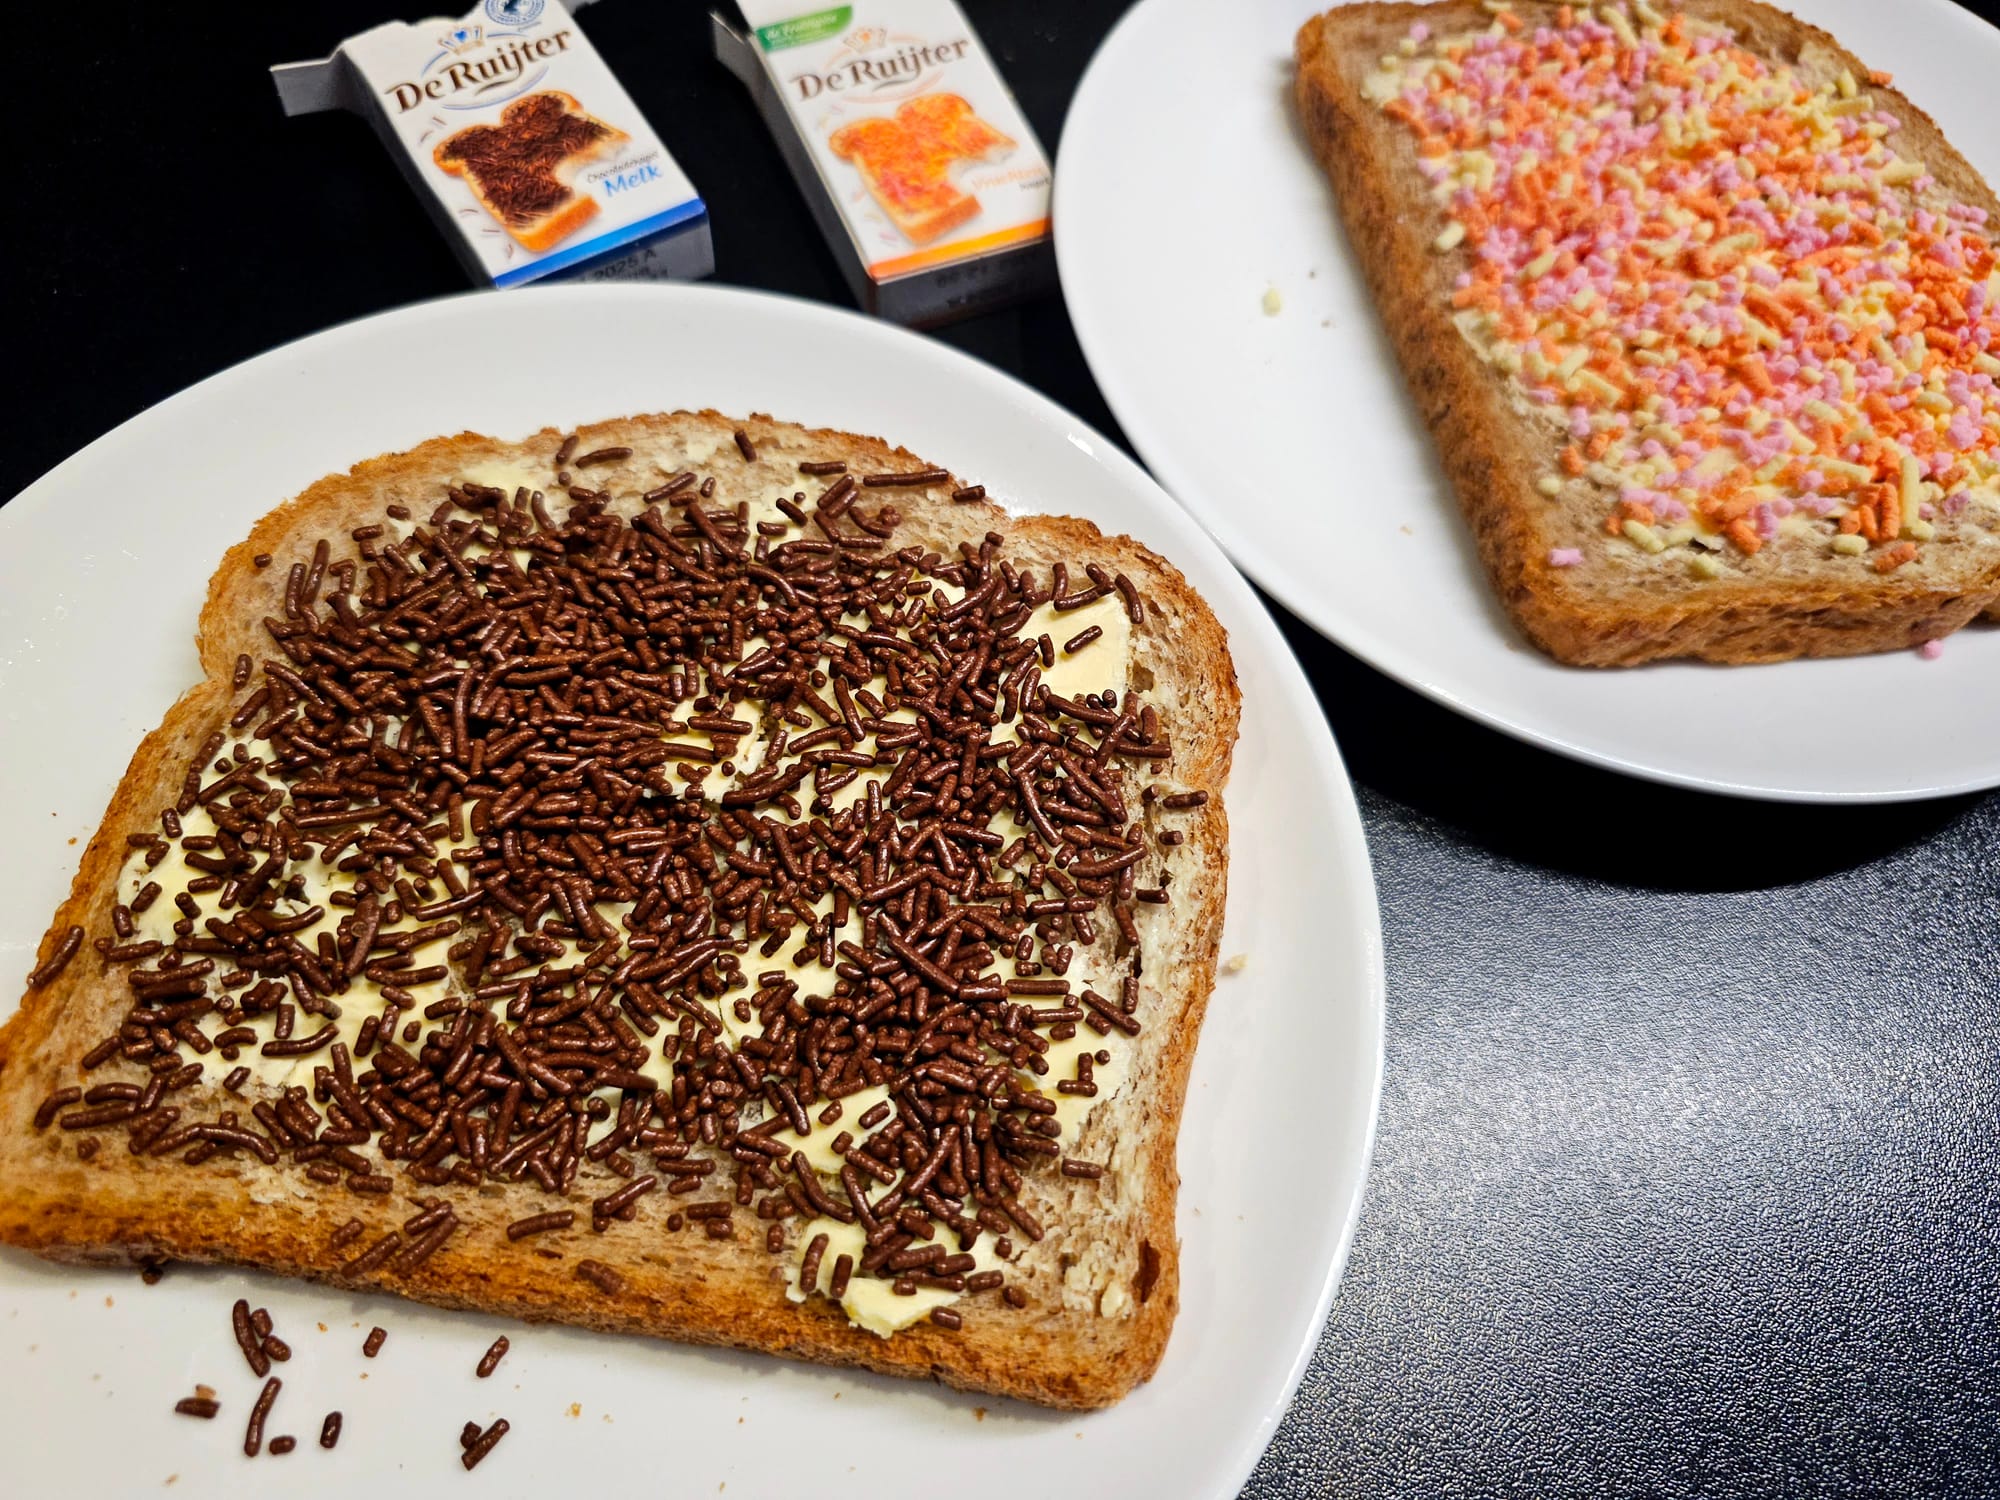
[1642, 535]
[1236, 963]
[1272, 302]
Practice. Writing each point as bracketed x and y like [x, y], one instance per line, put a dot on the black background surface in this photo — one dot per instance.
[1686, 1180]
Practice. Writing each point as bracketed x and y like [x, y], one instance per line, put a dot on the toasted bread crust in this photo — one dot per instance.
[1059, 1350]
[922, 229]
[1616, 609]
[558, 226]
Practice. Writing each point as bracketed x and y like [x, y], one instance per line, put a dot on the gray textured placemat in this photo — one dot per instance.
[1675, 1193]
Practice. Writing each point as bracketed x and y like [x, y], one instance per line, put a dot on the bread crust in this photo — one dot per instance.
[1059, 1350]
[1615, 609]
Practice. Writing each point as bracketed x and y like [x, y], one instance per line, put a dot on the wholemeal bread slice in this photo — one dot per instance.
[1101, 1283]
[1583, 596]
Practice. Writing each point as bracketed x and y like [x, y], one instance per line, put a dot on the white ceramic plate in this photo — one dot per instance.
[1291, 437]
[103, 564]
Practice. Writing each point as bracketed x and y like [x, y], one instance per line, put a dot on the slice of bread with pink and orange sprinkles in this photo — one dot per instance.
[1702, 313]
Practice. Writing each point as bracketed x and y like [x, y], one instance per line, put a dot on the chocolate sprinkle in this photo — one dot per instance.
[43, 974]
[372, 1345]
[247, 1339]
[198, 1406]
[490, 1360]
[918, 477]
[483, 1444]
[54, 1104]
[253, 1436]
[329, 1430]
[560, 1218]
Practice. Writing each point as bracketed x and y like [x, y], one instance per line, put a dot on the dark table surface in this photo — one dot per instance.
[1686, 1180]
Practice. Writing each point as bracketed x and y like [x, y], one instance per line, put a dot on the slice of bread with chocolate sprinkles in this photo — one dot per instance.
[725, 881]
[1699, 310]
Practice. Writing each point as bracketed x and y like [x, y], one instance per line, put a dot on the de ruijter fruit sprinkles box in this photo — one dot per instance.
[918, 164]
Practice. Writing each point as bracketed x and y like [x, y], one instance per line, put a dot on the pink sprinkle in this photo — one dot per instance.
[1931, 650]
[1569, 557]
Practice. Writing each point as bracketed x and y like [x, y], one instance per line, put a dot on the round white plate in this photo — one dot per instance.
[1186, 190]
[103, 565]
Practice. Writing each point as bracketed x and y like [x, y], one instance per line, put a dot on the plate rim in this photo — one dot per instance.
[1296, 696]
[1162, 458]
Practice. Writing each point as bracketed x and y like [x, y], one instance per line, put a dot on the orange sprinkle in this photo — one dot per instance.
[1741, 532]
[1572, 461]
[1889, 501]
[1892, 558]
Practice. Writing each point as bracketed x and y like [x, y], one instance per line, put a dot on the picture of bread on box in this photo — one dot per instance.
[519, 167]
[905, 161]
